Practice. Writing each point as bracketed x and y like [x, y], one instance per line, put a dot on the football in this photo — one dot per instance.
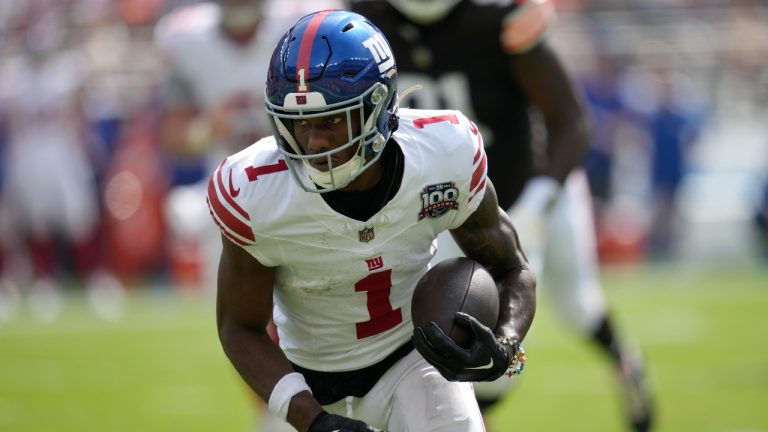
[455, 285]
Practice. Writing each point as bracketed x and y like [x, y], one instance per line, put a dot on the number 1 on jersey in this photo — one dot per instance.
[421, 122]
[378, 287]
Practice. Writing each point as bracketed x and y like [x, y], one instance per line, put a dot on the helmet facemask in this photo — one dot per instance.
[369, 141]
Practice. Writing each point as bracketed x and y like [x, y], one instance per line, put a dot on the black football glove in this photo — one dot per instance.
[326, 422]
[485, 360]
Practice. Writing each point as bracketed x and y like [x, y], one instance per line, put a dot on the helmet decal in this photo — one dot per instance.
[305, 50]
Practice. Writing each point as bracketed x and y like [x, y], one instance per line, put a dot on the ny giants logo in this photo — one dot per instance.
[375, 263]
[437, 199]
[381, 52]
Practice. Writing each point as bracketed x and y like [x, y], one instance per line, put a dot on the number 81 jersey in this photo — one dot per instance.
[343, 287]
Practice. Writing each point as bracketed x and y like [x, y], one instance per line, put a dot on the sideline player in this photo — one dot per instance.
[49, 192]
[213, 103]
[492, 61]
[334, 219]
[216, 55]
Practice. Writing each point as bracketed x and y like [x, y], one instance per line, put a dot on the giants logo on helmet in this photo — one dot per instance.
[381, 52]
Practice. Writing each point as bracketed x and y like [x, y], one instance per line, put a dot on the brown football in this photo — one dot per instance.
[455, 285]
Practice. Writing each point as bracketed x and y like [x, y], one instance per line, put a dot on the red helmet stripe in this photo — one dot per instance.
[305, 48]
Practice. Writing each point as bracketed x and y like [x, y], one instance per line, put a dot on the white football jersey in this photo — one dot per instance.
[343, 287]
[207, 69]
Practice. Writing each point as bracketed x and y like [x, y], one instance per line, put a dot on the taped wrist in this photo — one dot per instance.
[289, 386]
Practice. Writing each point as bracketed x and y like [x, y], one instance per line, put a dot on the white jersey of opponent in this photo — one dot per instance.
[343, 287]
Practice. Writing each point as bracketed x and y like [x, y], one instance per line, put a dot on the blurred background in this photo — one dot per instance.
[106, 307]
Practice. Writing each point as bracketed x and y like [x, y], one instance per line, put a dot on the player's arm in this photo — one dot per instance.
[547, 85]
[488, 237]
[243, 310]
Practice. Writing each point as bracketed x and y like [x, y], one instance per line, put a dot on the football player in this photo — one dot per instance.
[491, 60]
[215, 56]
[211, 102]
[332, 221]
[212, 105]
[49, 192]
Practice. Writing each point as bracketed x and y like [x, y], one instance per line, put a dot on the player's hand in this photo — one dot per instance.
[485, 360]
[326, 422]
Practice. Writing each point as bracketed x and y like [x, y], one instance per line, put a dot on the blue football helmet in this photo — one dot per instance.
[332, 62]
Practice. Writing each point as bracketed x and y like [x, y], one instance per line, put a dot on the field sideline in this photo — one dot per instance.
[162, 369]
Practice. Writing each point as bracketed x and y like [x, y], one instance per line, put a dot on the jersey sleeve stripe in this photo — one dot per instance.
[228, 221]
[478, 154]
[479, 173]
[480, 187]
[226, 196]
[223, 230]
[526, 25]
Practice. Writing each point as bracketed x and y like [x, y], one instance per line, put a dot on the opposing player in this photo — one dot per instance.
[492, 61]
[333, 219]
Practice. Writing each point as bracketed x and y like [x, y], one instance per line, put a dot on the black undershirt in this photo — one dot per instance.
[361, 205]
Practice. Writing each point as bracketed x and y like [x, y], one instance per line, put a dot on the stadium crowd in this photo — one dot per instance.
[677, 91]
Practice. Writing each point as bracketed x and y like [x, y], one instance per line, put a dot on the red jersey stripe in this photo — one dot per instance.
[479, 173]
[226, 196]
[230, 221]
[478, 153]
[307, 41]
[224, 230]
[479, 188]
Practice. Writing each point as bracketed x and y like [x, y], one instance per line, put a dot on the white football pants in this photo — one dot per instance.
[413, 397]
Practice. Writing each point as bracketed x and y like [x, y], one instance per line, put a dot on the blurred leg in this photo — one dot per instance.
[571, 280]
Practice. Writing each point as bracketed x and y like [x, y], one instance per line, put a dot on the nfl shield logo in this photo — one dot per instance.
[366, 234]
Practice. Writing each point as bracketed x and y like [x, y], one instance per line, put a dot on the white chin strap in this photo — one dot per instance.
[340, 175]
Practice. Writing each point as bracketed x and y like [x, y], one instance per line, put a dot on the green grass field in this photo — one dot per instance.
[161, 368]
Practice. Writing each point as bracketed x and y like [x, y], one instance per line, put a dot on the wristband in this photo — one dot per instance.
[289, 386]
[538, 195]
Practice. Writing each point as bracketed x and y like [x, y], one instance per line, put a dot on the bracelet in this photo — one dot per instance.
[289, 386]
[517, 362]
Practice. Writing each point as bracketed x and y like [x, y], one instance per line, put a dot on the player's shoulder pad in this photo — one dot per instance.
[239, 181]
[525, 24]
[451, 140]
[185, 22]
